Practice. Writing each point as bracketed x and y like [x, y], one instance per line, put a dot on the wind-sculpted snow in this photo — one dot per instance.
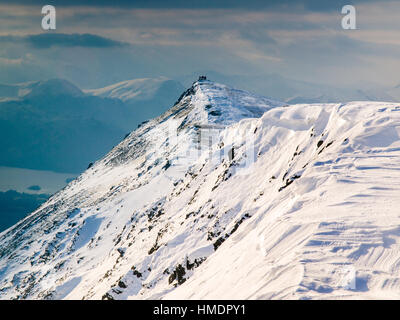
[226, 195]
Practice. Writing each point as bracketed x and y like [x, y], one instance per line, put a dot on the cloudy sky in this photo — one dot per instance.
[96, 44]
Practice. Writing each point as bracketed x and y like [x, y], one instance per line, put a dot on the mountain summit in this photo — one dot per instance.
[225, 195]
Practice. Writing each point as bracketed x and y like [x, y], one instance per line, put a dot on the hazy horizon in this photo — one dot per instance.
[302, 40]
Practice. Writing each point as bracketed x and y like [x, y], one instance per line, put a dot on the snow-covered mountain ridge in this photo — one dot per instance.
[226, 195]
[135, 89]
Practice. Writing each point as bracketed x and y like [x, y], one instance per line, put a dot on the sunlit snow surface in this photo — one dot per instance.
[308, 207]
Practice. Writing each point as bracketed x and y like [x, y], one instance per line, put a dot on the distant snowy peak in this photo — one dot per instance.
[136, 89]
[54, 87]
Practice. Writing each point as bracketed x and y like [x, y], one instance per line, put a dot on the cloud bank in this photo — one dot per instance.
[96, 44]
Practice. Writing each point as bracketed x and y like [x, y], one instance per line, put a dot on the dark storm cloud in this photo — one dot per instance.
[49, 40]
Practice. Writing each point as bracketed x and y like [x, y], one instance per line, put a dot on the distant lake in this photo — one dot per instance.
[21, 179]
[23, 190]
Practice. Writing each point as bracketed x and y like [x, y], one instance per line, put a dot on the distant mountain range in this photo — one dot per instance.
[53, 125]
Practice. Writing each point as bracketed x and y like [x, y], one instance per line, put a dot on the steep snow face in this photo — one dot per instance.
[323, 201]
[300, 203]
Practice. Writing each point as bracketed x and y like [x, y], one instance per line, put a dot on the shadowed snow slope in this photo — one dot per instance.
[226, 195]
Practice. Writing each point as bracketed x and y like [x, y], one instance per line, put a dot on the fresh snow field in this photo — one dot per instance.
[227, 195]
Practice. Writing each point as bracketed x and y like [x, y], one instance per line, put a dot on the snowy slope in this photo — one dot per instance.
[331, 233]
[226, 195]
[80, 226]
